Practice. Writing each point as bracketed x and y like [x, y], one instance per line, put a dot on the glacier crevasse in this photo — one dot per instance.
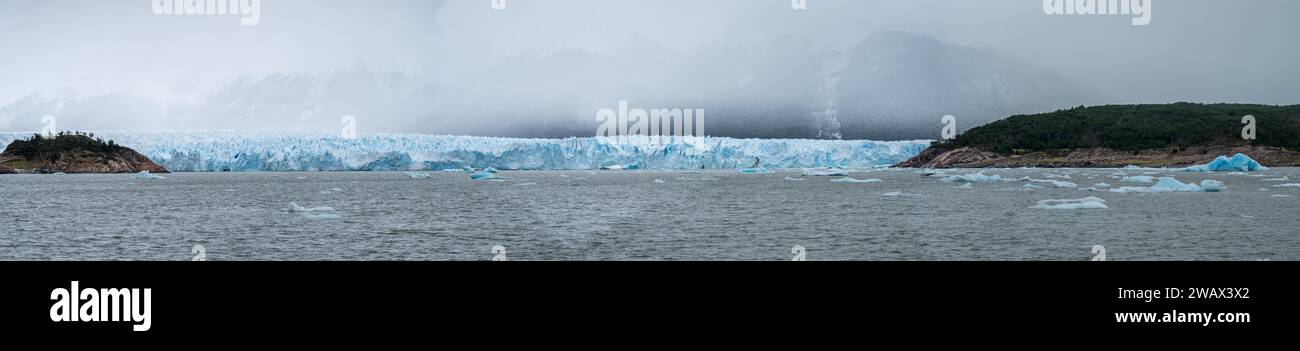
[217, 151]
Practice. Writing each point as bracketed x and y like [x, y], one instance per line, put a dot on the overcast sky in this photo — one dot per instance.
[1193, 50]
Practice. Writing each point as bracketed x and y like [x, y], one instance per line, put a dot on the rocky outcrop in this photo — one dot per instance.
[968, 157]
[936, 157]
[73, 154]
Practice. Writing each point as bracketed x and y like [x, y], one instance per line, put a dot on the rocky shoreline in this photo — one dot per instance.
[72, 153]
[970, 157]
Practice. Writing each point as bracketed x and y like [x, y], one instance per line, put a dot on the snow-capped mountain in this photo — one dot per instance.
[278, 101]
[314, 102]
[82, 110]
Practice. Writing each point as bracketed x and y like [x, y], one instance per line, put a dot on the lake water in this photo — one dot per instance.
[639, 215]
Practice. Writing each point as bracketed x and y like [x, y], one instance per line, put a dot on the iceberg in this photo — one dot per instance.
[242, 151]
[313, 212]
[973, 178]
[1288, 185]
[851, 180]
[825, 172]
[485, 175]
[756, 170]
[1169, 185]
[1237, 163]
[795, 179]
[418, 175]
[295, 208]
[1055, 183]
[965, 186]
[1139, 179]
[147, 175]
[1087, 203]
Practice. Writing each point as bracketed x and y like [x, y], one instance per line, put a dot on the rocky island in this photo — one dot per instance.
[1170, 135]
[72, 153]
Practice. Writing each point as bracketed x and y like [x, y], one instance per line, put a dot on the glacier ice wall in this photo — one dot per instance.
[217, 151]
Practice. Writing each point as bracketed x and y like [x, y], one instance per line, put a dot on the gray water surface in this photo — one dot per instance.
[628, 215]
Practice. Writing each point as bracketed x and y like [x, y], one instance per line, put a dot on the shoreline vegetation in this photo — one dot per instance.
[1114, 136]
[72, 152]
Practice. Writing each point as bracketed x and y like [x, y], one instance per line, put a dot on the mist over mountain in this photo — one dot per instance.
[851, 69]
[891, 86]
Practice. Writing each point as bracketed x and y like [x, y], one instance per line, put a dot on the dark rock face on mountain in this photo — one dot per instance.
[73, 153]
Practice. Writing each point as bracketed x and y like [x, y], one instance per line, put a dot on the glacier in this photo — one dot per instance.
[241, 151]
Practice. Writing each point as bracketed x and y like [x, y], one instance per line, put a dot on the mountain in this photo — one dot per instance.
[104, 110]
[278, 101]
[308, 101]
[1119, 135]
[897, 85]
[889, 86]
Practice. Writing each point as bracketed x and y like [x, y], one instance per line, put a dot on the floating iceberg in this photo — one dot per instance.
[973, 178]
[1139, 179]
[1169, 185]
[1238, 163]
[851, 180]
[825, 172]
[795, 179]
[295, 208]
[1087, 203]
[899, 194]
[1283, 179]
[1289, 185]
[147, 175]
[659, 181]
[313, 212]
[756, 170]
[965, 186]
[236, 151]
[418, 175]
[1211, 185]
[1056, 183]
[1031, 187]
[485, 176]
